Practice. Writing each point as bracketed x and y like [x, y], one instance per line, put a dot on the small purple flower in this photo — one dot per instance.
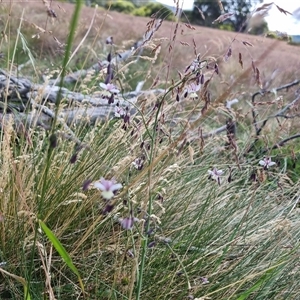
[215, 174]
[138, 163]
[127, 223]
[108, 187]
[109, 88]
[119, 111]
[267, 162]
[204, 280]
[192, 90]
[130, 253]
[109, 40]
[192, 67]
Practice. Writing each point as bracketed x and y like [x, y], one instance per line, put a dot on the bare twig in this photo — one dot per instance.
[282, 142]
[280, 113]
[262, 93]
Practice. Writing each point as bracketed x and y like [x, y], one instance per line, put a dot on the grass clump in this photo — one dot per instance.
[186, 189]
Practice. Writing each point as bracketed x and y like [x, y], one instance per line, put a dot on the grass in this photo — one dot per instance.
[193, 238]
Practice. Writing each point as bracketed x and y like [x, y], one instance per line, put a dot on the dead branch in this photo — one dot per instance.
[263, 93]
[281, 143]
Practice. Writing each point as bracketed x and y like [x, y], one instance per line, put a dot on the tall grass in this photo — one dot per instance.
[174, 230]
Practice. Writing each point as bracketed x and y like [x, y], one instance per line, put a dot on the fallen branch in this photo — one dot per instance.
[281, 113]
[281, 143]
[254, 114]
[120, 57]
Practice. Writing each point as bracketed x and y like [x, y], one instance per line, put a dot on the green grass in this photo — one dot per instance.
[194, 238]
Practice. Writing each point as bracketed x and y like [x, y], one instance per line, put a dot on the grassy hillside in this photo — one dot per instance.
[125, 28]
[186, 189]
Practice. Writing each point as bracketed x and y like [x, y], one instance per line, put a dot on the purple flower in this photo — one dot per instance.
[119, 111]
[138, 163]
[108, 187]
[193, 66]
[192, 90]
[215, 174]
[267, 162]
[127, 223]
[204, 280]
[109, 40]
[110, 88]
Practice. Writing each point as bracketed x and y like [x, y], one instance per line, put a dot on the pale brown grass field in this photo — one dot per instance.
[124, 27]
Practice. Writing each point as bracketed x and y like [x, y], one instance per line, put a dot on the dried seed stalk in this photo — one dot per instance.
[241, 60]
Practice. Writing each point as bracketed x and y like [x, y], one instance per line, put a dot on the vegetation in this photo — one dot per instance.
[152, 9]
[240, 10]
[205, 13]
[124, 6]
[186, 188]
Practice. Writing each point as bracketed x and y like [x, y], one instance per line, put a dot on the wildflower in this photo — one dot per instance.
[126, 118]
[192, 90]
[193, 66]
[109, 40]
[138, 163]
[204, 280]
[108, 187]
[267, 162]
[109, 88]
[128, 222]
[215, 174]
[130, 253]
[119, 111]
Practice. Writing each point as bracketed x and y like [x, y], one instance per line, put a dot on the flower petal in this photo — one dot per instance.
[99, 186]
[103, 85]
[219, 172]
[107, 194]
[115, 187]
[115, 90]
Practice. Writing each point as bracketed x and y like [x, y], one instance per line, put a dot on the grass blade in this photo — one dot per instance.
[62, 251]
[21, 280]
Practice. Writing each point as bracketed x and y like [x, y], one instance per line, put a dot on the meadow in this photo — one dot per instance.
[145, 159]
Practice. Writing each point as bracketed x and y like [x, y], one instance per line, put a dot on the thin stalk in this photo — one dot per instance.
[150, 171]
[66, 58]
[150, 197]
[50, 148]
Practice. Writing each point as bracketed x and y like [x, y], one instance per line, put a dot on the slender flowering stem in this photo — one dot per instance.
[150, 171]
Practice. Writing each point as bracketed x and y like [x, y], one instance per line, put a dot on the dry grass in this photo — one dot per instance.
[215, 42]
